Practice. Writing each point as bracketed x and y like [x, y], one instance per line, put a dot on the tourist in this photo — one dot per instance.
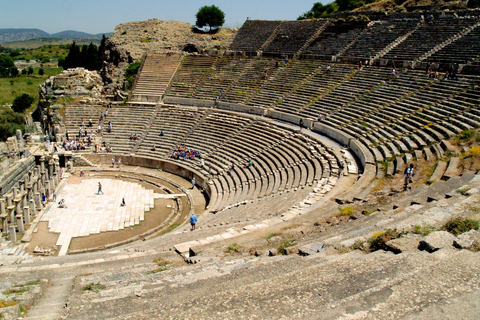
[232, 167]
[99, 128]
[82, 173]
[122, 204]
[193, 221]
[408, 173]
[54, 195]
[328, 69]
[106, 113]
[62, 203]
[44, 199]
[99, 188]
[109, 126]
[202, 163]
[301, 124]
[90, 124]
[193, 182]
[119, 162]
[341, 167]
[80, 132]
[113, 162]
[162, 133]
[153, 148]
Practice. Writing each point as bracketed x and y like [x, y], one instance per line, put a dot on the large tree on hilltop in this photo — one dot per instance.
[210, 16]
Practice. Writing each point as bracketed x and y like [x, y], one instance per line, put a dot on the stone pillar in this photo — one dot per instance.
[13, 234]
[38, 200]
[3, 216]
[29, 193]
[15, 192]
[10, 209]
[33, 207]
[26, 214]
[2, 207]
[20, 223]
[18, 205]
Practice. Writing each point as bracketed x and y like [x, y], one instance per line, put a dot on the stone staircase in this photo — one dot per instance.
[312, 38]
[153, 79]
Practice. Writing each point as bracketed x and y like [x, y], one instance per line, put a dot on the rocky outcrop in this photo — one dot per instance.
[77, 82]
[131, 40]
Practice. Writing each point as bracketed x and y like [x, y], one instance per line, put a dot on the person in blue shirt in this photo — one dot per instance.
[193, 221]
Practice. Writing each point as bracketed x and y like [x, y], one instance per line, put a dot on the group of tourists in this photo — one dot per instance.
[182, 152]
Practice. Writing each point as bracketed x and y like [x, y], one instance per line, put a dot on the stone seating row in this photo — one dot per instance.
[189, 76]
[253, 34]
[126, 120]
[336, 37]
[427, 36]
[292, 35]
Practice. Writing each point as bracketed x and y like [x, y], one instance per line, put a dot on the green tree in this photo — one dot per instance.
[41, 72]
[9, 122]
[320, 11]
[131, 73]
[22, 103]
[6, 65]
[13, 71]
[210, 16]
[30, 70]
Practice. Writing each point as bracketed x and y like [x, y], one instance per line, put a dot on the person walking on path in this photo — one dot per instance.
[54, 195]
[193, 221]
[113, 162]
[193, 182]
[99, 188]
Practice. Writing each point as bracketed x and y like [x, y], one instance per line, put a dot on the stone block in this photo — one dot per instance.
[436, 240]
[311, 249]
[404, 244]
[272, 252]
[467, 240]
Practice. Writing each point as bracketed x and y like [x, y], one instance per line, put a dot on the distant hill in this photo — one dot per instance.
[7, 35]
[11, 35]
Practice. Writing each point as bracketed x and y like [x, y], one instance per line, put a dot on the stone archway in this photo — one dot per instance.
[191, 48]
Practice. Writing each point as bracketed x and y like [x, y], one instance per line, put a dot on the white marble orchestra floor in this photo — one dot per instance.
[89, 213]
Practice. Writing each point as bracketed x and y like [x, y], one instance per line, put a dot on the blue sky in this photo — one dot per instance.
[97, 16]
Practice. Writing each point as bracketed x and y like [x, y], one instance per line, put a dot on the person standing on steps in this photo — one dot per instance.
[119, 163]
[193, 182]
[113, 162]
[193, 221]
[99, 188]
[408, 173]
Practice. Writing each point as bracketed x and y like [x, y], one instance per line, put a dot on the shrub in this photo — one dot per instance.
[163, 265]
[284, 244]
[378, 240]
[234, 247]
[347, 211]
[474, 151]
[466, 135]
[95, 287]
[22, 103]
[423, 229]
[460, 225]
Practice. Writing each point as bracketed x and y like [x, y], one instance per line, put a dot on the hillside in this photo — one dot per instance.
[14, 35]
[7, 35]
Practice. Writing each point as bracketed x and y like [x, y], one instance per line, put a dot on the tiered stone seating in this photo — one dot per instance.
[427, 37]
[354, 85]
[225, 74]
[190, 76]
[313, 88]
[74, 114]
[249, 81]
[335, 37]
[378, 36]
[462, 50]
[175, 123]
[156, 73]
[126, 120]
[281, 83]
[253, 34]
[292, 35]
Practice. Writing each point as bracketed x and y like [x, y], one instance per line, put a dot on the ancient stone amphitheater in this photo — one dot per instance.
[270, 242]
